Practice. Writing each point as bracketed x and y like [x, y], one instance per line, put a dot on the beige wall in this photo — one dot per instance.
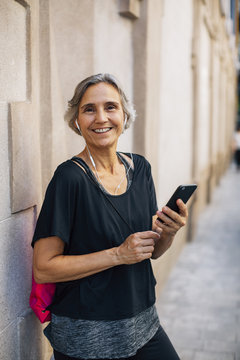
[214, 76]
[176, 62]
[172, 104]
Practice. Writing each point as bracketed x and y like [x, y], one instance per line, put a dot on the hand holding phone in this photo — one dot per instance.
[183, 192]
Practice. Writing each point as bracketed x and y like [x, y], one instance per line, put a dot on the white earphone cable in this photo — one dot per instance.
[94, 165]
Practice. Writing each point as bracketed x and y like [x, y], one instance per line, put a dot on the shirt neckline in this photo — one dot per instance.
[101, 187]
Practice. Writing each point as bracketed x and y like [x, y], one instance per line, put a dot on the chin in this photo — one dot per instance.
[104, 143]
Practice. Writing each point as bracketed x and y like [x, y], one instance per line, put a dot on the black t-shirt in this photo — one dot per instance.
[77, 211]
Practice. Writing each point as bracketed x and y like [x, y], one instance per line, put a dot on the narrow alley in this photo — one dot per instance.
[199, 307]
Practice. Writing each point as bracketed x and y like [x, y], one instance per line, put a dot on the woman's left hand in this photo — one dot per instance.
[171, 221]
[169, 225]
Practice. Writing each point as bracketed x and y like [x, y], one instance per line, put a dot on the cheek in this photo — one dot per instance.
[120, 126]
[84, 122]
[119, 120]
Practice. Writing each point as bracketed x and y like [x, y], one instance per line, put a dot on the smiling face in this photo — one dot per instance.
[101, 116]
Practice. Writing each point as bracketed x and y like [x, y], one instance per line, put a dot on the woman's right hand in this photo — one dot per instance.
[137, 247]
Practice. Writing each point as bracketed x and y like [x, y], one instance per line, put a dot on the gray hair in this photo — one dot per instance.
[73, 105]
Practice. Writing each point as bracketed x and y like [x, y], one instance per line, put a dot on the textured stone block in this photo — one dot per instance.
[13, 51]
[25, 179]
[15, 266]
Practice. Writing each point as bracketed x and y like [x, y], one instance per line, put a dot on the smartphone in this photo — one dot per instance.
[183, 192]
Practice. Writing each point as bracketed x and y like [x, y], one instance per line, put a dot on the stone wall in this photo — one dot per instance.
[20, 175]
[178, 65]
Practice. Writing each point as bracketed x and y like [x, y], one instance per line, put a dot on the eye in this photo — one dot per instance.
[110, 107]
[89, 109]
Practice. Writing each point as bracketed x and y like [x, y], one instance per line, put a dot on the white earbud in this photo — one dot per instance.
[77, 126]
[124, 124]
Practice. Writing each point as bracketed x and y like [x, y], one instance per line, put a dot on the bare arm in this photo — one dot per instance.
[50, 265]
[171, 223]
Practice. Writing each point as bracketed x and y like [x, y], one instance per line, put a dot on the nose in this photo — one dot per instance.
[101, 116]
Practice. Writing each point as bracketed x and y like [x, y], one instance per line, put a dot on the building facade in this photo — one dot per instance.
[176, 60]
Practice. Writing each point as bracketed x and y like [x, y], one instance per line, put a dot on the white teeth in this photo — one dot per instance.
[101, 130]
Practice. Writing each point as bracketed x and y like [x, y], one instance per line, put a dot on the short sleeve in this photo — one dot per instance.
[57, 212]
[152, 192]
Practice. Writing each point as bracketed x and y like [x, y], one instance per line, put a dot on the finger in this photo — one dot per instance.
[181, 217]
[146, 255]
[158, 229]
[147, 242]
[182, 208]
[170, 213]
[156, 223]
[148, 249]
[149, 235]
[166, 220]
[175, 217]
[169, 229]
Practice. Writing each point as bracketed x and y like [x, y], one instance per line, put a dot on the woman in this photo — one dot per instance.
[96, 233]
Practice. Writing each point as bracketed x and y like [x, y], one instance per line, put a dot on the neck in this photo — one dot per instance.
[105, 160]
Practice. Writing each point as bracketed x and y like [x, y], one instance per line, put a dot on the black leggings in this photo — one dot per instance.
[158, 348]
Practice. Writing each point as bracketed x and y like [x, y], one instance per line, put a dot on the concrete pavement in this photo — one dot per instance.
[199, 307]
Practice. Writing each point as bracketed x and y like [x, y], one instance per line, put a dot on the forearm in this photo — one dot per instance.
[162, 245]
[73, 267]
[50, 265]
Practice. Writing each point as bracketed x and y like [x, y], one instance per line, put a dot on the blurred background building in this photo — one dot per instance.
[177, 61]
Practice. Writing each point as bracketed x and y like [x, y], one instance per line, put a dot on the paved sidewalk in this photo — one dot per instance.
[199, 307]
